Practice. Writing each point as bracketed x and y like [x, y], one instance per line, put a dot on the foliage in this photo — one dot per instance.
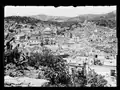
[53, 85]
[14, 62]
[11, 55]
[78, 78]
[54, 67]
[95, 80]
[111, 23]
[12, 70]
[92, 79]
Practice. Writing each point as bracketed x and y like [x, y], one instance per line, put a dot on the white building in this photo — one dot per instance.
[110, 62]
[103, 70]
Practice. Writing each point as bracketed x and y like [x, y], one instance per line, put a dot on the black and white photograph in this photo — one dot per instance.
[65, 46]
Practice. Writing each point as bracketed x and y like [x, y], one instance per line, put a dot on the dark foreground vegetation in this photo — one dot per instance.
[46, 65]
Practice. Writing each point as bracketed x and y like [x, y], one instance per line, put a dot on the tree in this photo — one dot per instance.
[95, 80]
[54, 67]
[92, 79]
[13, 57]
[78, 78]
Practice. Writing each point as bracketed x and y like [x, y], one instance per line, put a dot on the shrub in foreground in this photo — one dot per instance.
[54, 67]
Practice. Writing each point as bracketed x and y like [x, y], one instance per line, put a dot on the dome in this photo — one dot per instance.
[47, 29]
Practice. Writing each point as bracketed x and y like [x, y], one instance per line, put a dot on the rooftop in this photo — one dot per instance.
[47, 29]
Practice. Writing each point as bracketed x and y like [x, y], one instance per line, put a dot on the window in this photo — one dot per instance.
[112, 72]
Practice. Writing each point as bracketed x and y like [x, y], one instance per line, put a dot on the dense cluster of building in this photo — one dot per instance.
[74, 42]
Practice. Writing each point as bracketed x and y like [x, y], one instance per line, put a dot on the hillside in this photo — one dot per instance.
[50, 18]
[107, 20]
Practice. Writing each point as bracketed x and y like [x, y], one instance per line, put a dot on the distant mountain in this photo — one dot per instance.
[108, 19]
[40, 17]
[80, 18]
[50, 18]
[111, 15]
[43, 17]
[55, 18]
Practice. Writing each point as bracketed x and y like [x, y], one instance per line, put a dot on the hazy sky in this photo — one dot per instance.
[59, 11]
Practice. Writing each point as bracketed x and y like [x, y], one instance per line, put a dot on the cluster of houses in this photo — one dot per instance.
[45, 37]
[106, 66]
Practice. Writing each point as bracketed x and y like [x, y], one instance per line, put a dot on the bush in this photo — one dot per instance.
[54, 67]
[91, 80]
[95, 80]
[78, 78]
[111, 23]
[12, 56]
[14, 62]
[11, 70]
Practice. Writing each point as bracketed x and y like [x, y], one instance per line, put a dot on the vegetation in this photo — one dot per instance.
[111, 23]
[51, 67]
[95, 80]
[54, 67]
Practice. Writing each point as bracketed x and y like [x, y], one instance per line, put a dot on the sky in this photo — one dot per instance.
[69, 11]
